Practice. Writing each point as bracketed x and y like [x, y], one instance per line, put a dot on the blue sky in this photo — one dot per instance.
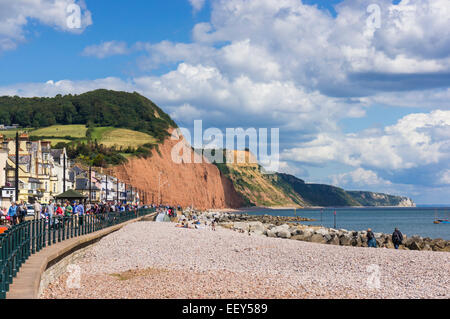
[359, 105]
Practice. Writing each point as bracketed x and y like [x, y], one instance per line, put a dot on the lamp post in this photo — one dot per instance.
[90, 184]
[64, 170]
[16, 175]
[106, 199]
[117, 191]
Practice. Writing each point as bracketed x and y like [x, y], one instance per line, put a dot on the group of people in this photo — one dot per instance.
[18, 211]
[15, 214]
[194, 223]
[397, 238]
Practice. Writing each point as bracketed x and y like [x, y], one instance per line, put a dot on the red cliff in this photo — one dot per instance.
[183, 184]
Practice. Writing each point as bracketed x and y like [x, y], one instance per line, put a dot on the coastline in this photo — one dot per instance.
[300, 208]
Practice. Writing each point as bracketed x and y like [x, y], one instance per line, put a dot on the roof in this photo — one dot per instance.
[70, 194]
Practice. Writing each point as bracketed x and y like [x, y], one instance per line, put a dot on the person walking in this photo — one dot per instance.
[22, 212]
[79, 211]
[397, 238]
[371, 241]
[50, 212]
[37, 210]
[12, 213]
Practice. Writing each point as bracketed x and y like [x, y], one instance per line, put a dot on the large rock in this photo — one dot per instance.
[296, 232]
[271, 233]
[334, 240]
[345, 240]
[322, 231]
[318, 238]
[302, 237]
[284, 233]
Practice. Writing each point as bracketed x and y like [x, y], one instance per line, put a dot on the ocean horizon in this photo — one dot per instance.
[410, 220]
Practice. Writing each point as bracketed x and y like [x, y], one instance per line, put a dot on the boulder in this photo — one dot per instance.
[414, 245]
[327, 237]
[356, 241]
[284, 233]
[297, 232]
[334, 240]
[271, 233]
[322, 231]
[345, 240]
[302, 237]
[317, 238]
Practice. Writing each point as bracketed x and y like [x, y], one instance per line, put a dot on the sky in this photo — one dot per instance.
[360, 90]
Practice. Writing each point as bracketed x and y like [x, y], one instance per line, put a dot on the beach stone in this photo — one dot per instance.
[256, 226]
[297, 232]
[271, 233]
[322, 231]
[334, 241]
[302, 237]
[284, 233]
[414, 245]
[356, 241]
[345, 240]
[317, 238]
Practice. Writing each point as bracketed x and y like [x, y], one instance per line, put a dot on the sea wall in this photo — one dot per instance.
[283, 227]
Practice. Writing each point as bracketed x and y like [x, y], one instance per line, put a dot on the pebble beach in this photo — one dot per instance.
[149, 260]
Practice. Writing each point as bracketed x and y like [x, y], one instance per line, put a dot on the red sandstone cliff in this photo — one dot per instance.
[183, 184]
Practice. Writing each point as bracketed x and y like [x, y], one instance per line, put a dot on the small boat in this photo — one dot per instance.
[440, 221]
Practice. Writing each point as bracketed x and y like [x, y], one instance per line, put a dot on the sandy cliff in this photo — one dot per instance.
[181, 184]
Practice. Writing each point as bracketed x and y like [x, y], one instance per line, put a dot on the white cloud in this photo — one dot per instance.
[415, 140]
[106, 49]
[15, 16]
[445, 177]
[197, 4]
[359, 178]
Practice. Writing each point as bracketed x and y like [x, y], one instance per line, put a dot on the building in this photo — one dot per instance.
[82, 187]
[40, 177]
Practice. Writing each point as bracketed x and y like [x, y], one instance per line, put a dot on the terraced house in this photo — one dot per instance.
[40, 175]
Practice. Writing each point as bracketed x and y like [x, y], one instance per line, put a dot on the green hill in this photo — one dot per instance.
[270, 190]
[97, 108]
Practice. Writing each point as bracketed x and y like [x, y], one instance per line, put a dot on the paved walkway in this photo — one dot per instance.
[26, 284]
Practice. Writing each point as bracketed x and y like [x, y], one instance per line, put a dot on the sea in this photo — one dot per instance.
[410, 221]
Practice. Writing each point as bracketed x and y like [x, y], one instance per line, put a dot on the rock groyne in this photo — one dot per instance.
[289, 228]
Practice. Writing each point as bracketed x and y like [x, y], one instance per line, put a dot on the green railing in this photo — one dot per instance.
[19, 242]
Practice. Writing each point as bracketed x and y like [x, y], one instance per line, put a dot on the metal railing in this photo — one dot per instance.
[19, 242]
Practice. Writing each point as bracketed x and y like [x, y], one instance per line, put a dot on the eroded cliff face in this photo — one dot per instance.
[185, 184]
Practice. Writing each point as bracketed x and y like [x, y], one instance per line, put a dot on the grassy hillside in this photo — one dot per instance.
[257, 188]
[75, 131]
[100, 108]
[279, 189]
[320, 195]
